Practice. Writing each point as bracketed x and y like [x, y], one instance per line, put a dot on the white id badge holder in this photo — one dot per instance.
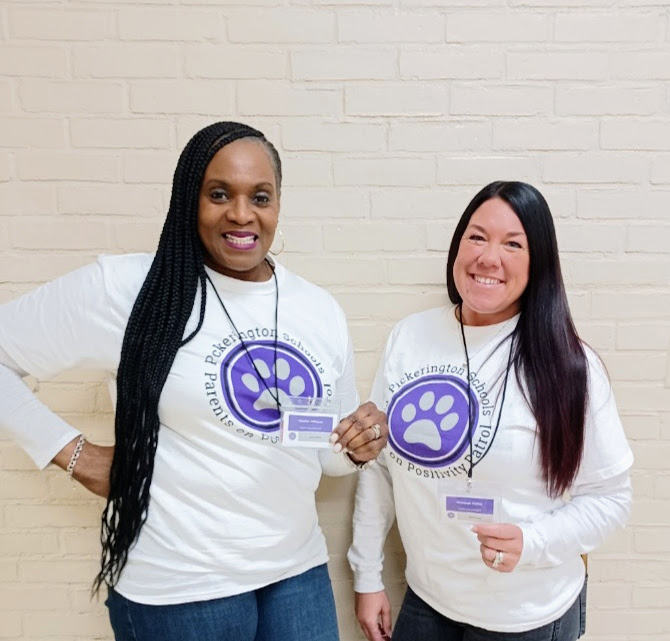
[308, 422]
[468, 500]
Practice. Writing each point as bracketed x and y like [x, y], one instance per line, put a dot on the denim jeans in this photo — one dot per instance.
[301, 608]
[417, 621]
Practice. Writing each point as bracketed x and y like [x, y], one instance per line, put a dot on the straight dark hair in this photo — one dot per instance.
[548, 356]
[154, 334]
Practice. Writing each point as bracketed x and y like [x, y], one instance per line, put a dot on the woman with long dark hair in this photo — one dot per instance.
[506, 459]
[210, 532]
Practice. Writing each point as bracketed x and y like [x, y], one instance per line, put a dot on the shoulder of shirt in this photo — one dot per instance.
[599, 384]
[419, 321]
[594, 363]
[125, 273]
[129, 262]
[416, 327]
[307, 288]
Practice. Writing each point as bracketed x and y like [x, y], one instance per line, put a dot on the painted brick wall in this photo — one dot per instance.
[389, 114]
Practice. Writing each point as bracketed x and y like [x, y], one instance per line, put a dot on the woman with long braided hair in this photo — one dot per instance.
[210, 531]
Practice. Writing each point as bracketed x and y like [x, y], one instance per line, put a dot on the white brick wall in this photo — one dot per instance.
[389, 115]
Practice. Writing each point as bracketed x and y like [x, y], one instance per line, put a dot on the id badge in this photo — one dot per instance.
[469, 501]
[308, 422]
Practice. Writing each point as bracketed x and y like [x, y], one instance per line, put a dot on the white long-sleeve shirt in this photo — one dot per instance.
[231, 510]
[421, 383]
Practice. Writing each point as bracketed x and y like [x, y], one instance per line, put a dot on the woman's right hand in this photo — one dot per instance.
[92, 468]
[373, 611]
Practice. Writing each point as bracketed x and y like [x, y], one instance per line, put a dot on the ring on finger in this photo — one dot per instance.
[498, 561]
[377, 429]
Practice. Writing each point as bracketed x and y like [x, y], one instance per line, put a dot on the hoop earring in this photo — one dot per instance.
[283, 244]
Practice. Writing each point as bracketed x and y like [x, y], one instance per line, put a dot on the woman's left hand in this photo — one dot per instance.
[501, 541]
[362, 434]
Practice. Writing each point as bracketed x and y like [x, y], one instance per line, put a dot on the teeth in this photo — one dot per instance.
[242, 241]
[487, 281]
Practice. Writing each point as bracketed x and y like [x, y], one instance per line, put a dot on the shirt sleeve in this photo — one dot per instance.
[374, 510]
[601, 496]
[68, 322]
[26, 420]
[346, 391]
[347, 395]
[374, 514]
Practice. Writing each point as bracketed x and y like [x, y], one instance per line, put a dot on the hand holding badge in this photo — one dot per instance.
[314, 423]
[476, 502]
[501, 545]
[362, 435]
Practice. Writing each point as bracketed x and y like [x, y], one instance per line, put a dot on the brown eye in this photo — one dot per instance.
[217, 194]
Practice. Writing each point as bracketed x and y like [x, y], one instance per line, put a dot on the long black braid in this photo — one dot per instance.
[154, 334]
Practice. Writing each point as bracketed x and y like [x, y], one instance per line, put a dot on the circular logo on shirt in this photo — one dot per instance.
[252, 379]
[428, 420]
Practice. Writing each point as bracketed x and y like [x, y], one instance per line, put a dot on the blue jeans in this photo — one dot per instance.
[417, 621]
[301, 608]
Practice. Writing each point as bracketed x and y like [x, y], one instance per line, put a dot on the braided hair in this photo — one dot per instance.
[154, 334]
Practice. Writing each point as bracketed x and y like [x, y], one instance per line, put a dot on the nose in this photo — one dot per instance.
[490, 255]
[240, 211]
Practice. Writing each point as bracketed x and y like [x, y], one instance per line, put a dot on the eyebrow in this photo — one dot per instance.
[220, 181]
[507, 235]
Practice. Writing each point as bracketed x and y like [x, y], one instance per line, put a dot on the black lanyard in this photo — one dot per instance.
[244, 345]
[471, 428]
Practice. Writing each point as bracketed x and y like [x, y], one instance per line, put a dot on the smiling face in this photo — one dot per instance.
[492, 264]
[239, 210]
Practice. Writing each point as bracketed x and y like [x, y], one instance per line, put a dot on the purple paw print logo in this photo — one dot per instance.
[428, 420]
[249, 391]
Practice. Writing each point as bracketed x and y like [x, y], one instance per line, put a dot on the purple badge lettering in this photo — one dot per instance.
[310, 423]
[470, 504]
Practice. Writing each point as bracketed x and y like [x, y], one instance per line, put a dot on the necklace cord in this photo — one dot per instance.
[274, 395]
[471, 427]
[470, 421]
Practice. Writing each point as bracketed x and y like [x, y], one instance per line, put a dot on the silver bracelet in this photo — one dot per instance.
[75, 455]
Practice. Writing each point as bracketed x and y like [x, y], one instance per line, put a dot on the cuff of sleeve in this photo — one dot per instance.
[334, 464]
[533, 544]
[366, 582]
[358, 466]
[43, 458]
